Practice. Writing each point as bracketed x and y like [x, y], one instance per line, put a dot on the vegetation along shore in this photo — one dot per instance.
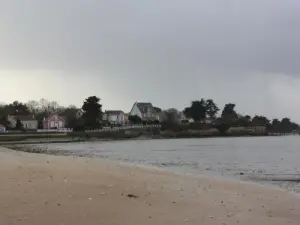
[203, 118]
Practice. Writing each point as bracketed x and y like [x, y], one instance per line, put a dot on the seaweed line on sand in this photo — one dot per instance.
[38, 150]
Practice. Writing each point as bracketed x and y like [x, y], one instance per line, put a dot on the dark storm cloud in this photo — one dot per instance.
[140, 36]
[165, 51]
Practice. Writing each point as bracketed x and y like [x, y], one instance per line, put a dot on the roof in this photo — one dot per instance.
[143, 106]
[157, 109]
[64, 118]
[23, 117]
[114, 111]
[55, 114]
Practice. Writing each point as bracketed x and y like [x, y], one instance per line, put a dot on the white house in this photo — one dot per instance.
[145, 111]
[28, 122]
[114, 116]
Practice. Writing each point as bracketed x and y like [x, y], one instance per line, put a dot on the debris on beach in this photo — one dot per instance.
[230, 214]
[132, 196]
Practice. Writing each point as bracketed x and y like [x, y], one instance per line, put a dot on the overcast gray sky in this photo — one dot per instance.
[168, 52]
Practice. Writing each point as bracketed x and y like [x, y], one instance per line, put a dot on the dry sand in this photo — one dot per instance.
[47, 190]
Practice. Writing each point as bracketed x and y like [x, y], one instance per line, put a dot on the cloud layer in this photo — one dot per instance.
[167, 52]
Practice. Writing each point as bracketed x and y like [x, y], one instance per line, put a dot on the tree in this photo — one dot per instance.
[92, 112]
[40, 124]
[3, 115]
[19, 125]
[135, 119]
[70, 114]
[79, 126]
[33, 107]
[295, 127]
[260, 121]
[248, 118]
[275, 125]
[48, 107]
[197, 111]
[229, 115]
[221, 126]
[17, 108]
[157, 109]
[172, 116]
[4, 121]
[286, 125]
[227, 119]
[243, 121]
[211, 109]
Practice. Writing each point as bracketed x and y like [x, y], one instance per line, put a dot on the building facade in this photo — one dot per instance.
[114, 116]
[54, 121]
[28, 121]
[145, 111]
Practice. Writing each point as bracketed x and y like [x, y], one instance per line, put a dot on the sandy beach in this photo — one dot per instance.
[43, 189]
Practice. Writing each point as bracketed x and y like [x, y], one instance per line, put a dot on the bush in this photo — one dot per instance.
[185, 122]
[223, 128]
[171, 126]
[135, 119]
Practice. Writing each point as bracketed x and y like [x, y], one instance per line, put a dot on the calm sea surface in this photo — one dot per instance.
[260, 159]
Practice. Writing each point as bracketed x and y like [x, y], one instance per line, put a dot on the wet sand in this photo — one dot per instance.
[43, 189]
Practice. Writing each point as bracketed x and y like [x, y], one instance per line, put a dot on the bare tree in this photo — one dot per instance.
[33, 106]
[49, 107]
[172, 115]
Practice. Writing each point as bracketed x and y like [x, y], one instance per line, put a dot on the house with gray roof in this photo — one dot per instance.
[145, 111]
[28, 121]
[114, 116]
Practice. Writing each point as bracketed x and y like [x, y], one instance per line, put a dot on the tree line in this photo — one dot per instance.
[202, 112]
[40, 109]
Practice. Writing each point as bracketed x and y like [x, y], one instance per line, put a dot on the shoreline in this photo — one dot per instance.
[248, 179]
[47, 189]
[36, 138]
[141, 138]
